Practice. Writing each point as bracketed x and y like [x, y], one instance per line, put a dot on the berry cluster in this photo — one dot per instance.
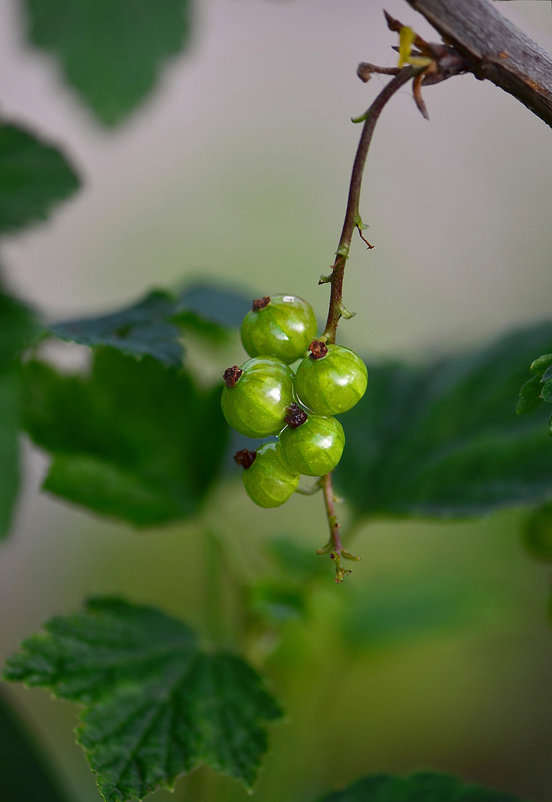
[265, 397]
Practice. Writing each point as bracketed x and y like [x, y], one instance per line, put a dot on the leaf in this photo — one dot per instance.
[413, 607]
[443, 440]
[111, 53]
[133, 440]
[537, 533]
[34, 177]
[155, 704]
[419, 787]
[26, 773]
[153, 325]
[16, 328]
[142, 328]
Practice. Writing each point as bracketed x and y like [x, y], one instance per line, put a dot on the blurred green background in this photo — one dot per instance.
[436, 651]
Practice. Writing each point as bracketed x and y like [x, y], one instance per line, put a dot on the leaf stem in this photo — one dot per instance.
[351, 213]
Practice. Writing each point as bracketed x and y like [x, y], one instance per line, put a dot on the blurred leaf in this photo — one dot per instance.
[295, 560]
[34, 177]
[134, 440]
[529, 396]
[111, 53]
[277, 601]
[409, 608]
[142, 328]
[153, 325]
[155, 705]
[444, 440]
[420, 787]
[224, 307]
[25, 772]
[537, 533]
[16, 329]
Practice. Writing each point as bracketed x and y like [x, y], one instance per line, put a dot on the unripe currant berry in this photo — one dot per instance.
[314, 446]
[268, 482]
[281, 325]
[256, 395]
[331, 379]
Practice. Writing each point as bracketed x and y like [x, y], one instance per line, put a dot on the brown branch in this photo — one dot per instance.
[494, 49]
[351, 213]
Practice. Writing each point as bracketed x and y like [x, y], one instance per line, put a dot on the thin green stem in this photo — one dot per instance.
[351, 213]
[334, 546]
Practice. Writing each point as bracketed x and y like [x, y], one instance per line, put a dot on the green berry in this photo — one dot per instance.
[280, 326]
[268, 482]
[313, 447]
[331, 380]
[256, 395]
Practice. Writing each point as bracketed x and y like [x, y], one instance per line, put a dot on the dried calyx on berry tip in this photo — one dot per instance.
[260, 303]
[295, 416]
[232, 375]
[245, 458]
[318, 349]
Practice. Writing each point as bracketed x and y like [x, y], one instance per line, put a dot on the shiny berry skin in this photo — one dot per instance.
[315, 447]
[256, 395]
[331, 383]
[281, 326]
[268, 482]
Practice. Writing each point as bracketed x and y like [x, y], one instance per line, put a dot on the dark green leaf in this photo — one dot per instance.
[537, 533]
[34, 177]
[16, 329]
[444, 440]
[529, 396]
[420, 787]
[111, 53]
[546, 389]
[133, 440]
[223, 307]
[142, 328]
[25, 772]
[155, 704]
[153, 325]
[541, 364]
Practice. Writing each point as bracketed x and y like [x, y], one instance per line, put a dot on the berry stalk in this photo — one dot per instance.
[336, 308]
[352, 218]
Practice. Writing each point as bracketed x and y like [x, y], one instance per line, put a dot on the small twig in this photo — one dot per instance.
[334, 546]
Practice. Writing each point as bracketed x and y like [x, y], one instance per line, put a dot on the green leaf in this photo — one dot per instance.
[155, 704]
[25, 772]
[443, 440]
[111, 53]
[142, 328]
[34, 177]
[419, 787]
[153, 325]
[133, 440]
[537, 533]
[16, 329]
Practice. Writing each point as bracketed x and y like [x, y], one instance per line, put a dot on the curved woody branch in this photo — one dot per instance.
[494, 49]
